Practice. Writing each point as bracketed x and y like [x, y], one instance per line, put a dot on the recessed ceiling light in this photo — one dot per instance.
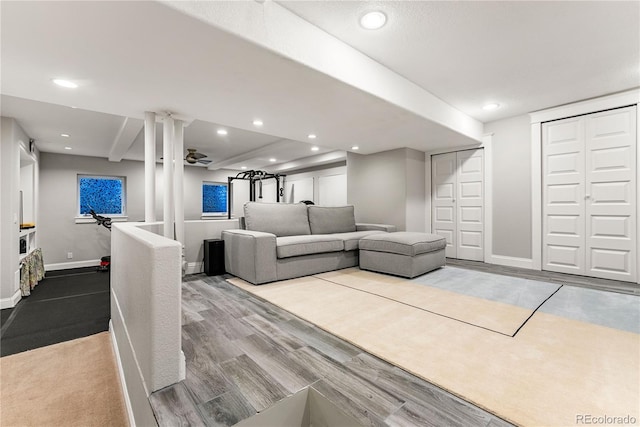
[257, 122]
[373, 20]
[243, 167]
[311, 136]
[74, 107]
[314, 148]
[355, 147]
[66, 135]
[65, 83]
[222, 132]
[272, 160]
[67, 148]
[492, 106]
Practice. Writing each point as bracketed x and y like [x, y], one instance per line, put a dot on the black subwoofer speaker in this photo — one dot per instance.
[214, 257]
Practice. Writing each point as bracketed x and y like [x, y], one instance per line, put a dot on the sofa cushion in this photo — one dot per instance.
[290, 246]
[351, 240]
[403, 243]
[281, 219]
[326, 220]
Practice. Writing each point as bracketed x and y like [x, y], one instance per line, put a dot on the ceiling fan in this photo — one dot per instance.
[194, 157]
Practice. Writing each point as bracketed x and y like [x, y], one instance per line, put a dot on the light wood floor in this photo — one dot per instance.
[244, 354]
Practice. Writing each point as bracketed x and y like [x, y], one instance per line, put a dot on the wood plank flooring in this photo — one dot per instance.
[244, 355]
[550, 276]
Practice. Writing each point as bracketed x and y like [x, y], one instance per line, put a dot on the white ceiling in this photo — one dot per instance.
[441, 61]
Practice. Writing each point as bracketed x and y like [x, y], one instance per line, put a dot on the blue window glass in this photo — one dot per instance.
[105, 195]
[214, 198]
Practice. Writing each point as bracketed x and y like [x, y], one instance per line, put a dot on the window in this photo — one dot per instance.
[214, 198]
[104, 194]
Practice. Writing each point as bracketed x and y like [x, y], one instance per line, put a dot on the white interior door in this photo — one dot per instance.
[589, 191]
[443, 176]
[564, 197]
[469, 203]
[457, 205]
[611, 194]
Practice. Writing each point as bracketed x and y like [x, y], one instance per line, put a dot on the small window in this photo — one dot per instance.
[215, 196]
[104, 194]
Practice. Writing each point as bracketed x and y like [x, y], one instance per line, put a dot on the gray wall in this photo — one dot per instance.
[511, 186]
[388, 187]
[58, 232]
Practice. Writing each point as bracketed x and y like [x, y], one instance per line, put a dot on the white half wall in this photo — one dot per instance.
[146, 313]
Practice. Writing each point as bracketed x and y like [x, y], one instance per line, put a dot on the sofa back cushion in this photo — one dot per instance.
[326, 220]
[280, 219]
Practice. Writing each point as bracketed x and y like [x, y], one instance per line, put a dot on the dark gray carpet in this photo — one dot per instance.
[66, 305]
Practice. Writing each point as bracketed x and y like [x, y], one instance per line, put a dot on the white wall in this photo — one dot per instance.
[325, 186]
[12, 138]
[59, 233]
[511, 186]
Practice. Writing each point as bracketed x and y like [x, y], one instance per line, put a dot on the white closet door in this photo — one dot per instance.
[589, 182]
[469, 201]
[443, 175]
[563, 172]
[611, 194]
[458, 207]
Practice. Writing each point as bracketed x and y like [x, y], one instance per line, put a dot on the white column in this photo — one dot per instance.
[167, 169]
[149, 166]
[178, 179]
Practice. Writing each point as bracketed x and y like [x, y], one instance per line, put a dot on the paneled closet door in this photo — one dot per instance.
[458, 208]
[564, 197]
[470, 212]
[443, 175]
[589, 184]
[611, 194]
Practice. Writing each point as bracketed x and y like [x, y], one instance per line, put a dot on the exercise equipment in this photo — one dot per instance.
[256, 177]
[105, 261]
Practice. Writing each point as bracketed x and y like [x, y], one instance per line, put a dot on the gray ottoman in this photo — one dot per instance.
[404, 253]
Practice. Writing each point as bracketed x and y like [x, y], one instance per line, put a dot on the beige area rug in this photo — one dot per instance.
[554, 372]
[74, 383]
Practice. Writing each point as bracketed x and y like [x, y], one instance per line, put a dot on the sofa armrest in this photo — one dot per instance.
[250, 255]
[382, 227]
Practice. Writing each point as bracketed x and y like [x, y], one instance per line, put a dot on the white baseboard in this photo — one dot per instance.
[195, 267]
[73, 264]
[11, 301]
[511, 261]
[123, 382]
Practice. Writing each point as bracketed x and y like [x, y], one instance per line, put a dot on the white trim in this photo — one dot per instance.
[456, 149]
[638, 192]
[616, 100]
[428, 227]
[11, 301]
[194, 267]
[73, 264]
[123, 382]
[536, 196]
[510, 261]
[487, 144]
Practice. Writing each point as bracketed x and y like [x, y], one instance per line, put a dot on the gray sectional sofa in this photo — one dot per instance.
[282, 241]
